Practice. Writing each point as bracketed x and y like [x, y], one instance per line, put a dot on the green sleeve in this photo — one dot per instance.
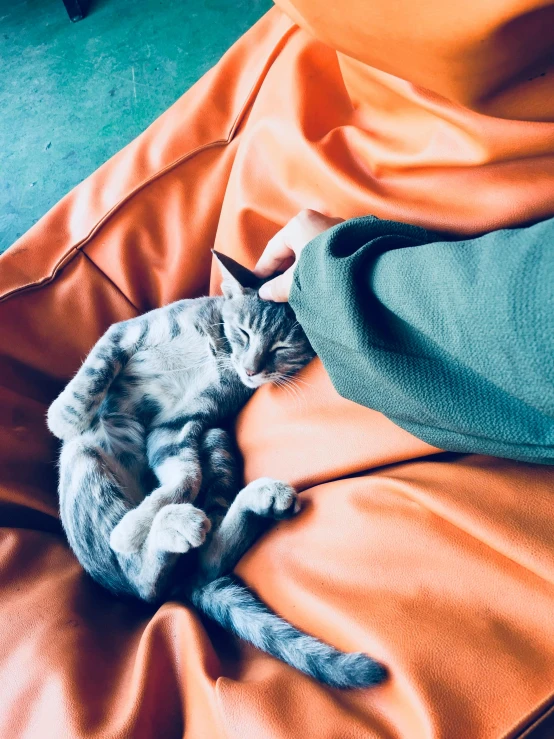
[453, 340]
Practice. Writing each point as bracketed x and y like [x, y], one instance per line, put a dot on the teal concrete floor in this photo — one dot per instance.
[72, 94]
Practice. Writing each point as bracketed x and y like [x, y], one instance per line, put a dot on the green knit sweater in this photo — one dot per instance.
[453, 340]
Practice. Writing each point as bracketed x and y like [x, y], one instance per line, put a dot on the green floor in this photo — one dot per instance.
[71, 95]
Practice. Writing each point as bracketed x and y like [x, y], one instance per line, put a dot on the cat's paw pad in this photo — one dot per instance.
[272, 498]
[179, 527]
[130, 533]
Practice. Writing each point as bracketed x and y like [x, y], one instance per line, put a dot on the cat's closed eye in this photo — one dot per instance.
[245, 336]
[279, 347]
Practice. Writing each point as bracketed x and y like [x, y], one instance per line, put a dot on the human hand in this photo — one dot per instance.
[283, 251]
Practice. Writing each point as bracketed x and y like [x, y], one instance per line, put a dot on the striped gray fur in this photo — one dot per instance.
[149, 473]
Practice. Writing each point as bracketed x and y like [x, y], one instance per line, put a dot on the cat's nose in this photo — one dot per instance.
[250, 372]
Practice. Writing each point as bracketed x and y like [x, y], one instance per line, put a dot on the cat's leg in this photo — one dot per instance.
[174, 456]
[151, 568]
[245, 520]
[74, 409]
[221, 470]
[95, 492]
[178, 527]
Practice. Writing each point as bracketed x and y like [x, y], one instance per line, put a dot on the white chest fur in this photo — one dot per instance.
[175, 373]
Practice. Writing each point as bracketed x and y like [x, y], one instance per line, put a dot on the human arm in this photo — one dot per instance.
[453, 340]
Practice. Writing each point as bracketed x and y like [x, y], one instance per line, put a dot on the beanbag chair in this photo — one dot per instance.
[439, 565]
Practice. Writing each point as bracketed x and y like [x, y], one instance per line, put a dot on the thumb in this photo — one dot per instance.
[277, 289]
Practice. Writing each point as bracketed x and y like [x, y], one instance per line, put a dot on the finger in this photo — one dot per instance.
[286, 263]
[281, 250]
[275, 254]
[278, 289]
[292, 238]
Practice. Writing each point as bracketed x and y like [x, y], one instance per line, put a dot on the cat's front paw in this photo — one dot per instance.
[64, 420]
[270, 498]
[130, 533]
[179, 527]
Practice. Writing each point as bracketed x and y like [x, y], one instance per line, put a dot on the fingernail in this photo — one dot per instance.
[265, 292]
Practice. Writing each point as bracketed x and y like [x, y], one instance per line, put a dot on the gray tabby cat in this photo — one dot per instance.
[148, 409]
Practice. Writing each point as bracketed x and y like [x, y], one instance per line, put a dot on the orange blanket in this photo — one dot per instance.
[441, 566]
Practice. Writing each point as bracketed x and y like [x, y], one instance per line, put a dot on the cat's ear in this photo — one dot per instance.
[236, 278]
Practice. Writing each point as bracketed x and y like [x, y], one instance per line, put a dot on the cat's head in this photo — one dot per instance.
[267, 342]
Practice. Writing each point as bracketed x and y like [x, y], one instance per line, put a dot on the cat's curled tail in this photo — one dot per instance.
[232, 605]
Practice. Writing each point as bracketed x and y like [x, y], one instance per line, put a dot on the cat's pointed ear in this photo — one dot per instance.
[236, 278]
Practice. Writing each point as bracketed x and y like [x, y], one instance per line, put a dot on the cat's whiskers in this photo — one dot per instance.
[301, 380]
[291, 384]
[279, 383]
[290, 389]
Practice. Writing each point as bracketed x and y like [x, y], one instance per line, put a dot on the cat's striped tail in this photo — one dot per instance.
[232, 605]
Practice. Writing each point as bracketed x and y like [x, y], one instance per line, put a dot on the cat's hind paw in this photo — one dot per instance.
[131, 532]
[270, 498]
[179, 527]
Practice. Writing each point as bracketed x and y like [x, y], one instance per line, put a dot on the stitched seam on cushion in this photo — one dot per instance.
[109, 279]
[525, 728]
[71, 253]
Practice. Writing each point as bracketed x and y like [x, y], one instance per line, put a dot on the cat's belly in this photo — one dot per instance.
[165, 393]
